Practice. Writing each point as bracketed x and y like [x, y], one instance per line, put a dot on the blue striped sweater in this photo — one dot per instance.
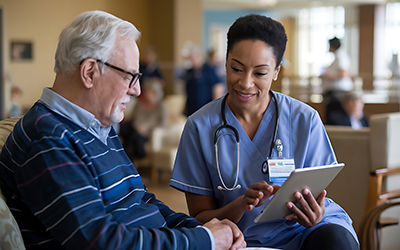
[68, 190]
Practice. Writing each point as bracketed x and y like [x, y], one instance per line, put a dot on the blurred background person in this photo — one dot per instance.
[214, 60]
[149, 112]
[149, 66]
[15, 106]
[336, 77]
[202, 82]
[351, 114]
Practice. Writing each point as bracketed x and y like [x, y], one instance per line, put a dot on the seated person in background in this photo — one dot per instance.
[63, 171]
[149, 112]
[351, 114]
[15, 107]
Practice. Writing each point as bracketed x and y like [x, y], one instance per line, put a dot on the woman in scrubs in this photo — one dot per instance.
[229, 181]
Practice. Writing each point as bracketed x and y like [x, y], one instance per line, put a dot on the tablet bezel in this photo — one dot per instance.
[316, 179]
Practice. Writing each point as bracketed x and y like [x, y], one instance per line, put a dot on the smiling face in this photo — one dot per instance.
[250, 69]
[113, 90]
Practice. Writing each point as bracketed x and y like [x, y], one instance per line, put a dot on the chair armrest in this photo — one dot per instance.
[385, 171]
[380, 174]
[377, 194]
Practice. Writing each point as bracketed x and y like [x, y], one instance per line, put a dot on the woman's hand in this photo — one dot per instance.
[311, 211]
[257, 194]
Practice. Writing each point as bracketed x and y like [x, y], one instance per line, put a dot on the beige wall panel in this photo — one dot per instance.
[290, 27]
[188, 25]
[366, 55]
[161, 35]
[41, 21]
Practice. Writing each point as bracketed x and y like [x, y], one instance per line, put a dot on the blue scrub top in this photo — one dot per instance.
[304, 139]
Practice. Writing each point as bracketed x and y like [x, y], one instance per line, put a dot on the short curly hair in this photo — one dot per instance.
[258, 27]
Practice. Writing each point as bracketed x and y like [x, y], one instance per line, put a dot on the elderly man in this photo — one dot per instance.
[64, 173]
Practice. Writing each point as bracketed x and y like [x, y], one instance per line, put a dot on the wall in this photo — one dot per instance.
[161, 34]
[225, 18]
[188, 25]
[41, 21]
[366, 45]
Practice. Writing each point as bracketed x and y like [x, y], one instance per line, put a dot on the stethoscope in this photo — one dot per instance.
[227, 126]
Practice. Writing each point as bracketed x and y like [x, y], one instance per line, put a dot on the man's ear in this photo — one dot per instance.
[89, 72]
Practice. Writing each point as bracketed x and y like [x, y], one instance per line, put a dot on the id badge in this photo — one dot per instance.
[280, 169]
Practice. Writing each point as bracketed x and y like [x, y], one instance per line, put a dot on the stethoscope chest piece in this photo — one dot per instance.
[264, 167]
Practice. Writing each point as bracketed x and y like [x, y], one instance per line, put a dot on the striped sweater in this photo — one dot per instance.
[68, 190]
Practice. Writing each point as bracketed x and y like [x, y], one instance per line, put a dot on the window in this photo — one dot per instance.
[392, 38]
[316, 27]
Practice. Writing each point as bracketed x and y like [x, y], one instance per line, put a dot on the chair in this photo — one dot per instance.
[165, 142]
[378, 195]
[175, 104]
[372, 224]
[384, 181]
[349, 188]
[10, 235]
[370, 179]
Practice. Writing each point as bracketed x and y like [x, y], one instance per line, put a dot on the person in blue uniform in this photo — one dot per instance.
[203, 84]
[149, 66]
[225, 179]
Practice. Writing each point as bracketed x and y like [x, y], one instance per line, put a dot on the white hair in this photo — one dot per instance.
[91, 34]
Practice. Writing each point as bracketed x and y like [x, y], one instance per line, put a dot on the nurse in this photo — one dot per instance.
[225, 179]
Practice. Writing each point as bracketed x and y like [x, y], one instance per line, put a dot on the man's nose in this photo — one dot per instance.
[135, 90]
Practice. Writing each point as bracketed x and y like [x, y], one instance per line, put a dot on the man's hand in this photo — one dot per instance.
[311, 211]
[227, 235]
[257, 194]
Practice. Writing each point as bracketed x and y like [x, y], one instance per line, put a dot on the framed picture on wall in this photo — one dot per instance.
[21, 51]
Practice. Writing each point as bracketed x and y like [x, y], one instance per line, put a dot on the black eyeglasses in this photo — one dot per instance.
[134, 77]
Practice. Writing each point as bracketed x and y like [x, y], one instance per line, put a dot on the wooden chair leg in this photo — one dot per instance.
[370, 225]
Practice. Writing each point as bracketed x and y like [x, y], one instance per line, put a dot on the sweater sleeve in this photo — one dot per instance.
[173, 220]
[55, 180]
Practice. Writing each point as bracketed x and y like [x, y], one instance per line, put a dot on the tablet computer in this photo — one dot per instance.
[316, 179]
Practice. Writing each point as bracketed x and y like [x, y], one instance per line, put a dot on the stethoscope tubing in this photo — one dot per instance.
[226, 125]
